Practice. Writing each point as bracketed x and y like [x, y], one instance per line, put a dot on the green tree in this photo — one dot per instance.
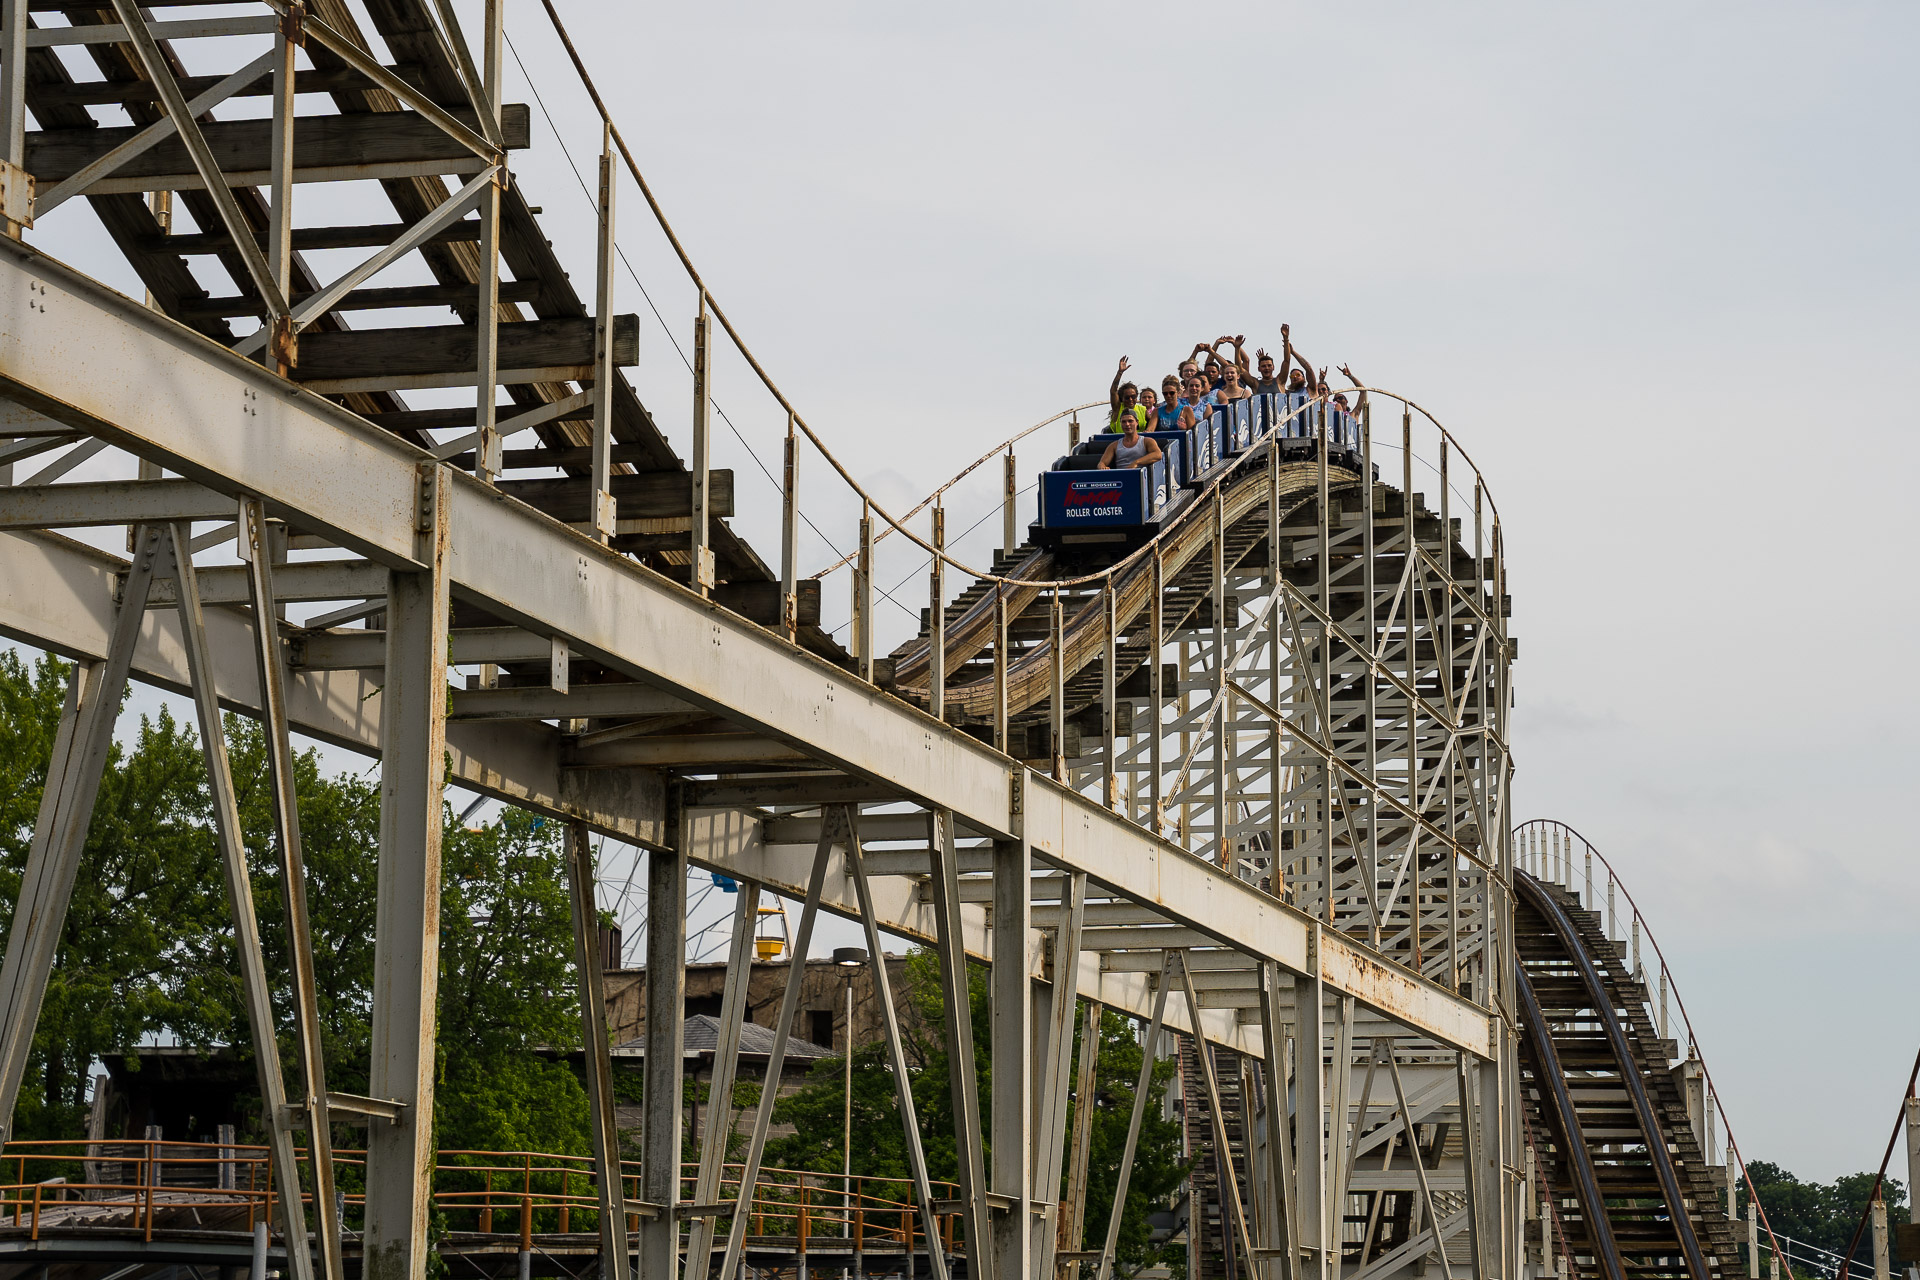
[1158, 1169]
[1822, 1214]
[143, 948]
[147, 946]
[508, 995]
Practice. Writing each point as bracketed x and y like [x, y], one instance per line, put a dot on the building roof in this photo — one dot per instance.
[703, 1038]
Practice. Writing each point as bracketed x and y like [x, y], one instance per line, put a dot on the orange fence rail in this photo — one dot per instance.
[150, 1185]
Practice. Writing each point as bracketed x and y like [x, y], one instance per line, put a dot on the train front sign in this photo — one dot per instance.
[1110, 497]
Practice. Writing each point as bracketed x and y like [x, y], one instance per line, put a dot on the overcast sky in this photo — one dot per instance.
[1651, 263]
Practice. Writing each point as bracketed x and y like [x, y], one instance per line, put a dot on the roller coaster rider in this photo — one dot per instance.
[1124, 399]
[1132, 449]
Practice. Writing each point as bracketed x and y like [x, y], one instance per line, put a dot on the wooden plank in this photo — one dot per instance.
[104, 92]
[373, 236]
[426, 350]
[333, 144]
[760, 601]
[412, 295]
[646, 495]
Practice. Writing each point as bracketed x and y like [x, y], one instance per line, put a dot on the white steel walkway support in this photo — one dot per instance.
[406, 963]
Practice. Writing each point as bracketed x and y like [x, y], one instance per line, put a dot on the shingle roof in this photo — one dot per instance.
[703, 1037]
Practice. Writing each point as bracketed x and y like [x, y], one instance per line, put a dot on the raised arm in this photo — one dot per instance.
[1306, 365]
[1361, 400]
[1239, 341]
[1113, 391]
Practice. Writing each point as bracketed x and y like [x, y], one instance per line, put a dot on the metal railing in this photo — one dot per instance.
[1545, 848]
[150, 1186]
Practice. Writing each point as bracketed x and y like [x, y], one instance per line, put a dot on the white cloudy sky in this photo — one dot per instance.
[1652, 263]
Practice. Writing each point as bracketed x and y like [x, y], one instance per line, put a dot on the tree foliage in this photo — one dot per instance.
[1822, 1214]
[147, 948]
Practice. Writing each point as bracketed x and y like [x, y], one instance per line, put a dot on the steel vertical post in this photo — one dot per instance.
[1157, 692]
[1012, 1047]
[1310, 1111]
[957, 1007]
[937, 618]
[896, 1058]
[1372, 656]
[13, 89]
[1009, 537]
[863, 596]
[269, 667]
[658, 1242]
[1055, 1070]
[1109, 700]
[489, 452]
[400, 1156]
[726, 1057]
[280, 349]
[1057, 685]
[1324, 598]
[615, 1263]
[1141, 1087]
[1223, 701]
[602, 511]
[1001, 659]
[700, 571]
[833, 822]
[257, 990]
[1071, 1224]
[1283, 1233]
[790, 534]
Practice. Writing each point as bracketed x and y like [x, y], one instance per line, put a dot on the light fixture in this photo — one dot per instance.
[849, 957]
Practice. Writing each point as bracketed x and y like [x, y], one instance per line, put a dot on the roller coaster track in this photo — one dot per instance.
[1262, 759]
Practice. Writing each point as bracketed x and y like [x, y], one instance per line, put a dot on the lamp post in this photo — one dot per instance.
[849, 959]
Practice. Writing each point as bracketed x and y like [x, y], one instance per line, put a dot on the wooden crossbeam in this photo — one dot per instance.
[326, 149]
[426, 350]
[645, 495]
[413, 295]
[371, 236]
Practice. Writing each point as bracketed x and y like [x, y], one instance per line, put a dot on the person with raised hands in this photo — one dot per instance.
[1124, 399]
